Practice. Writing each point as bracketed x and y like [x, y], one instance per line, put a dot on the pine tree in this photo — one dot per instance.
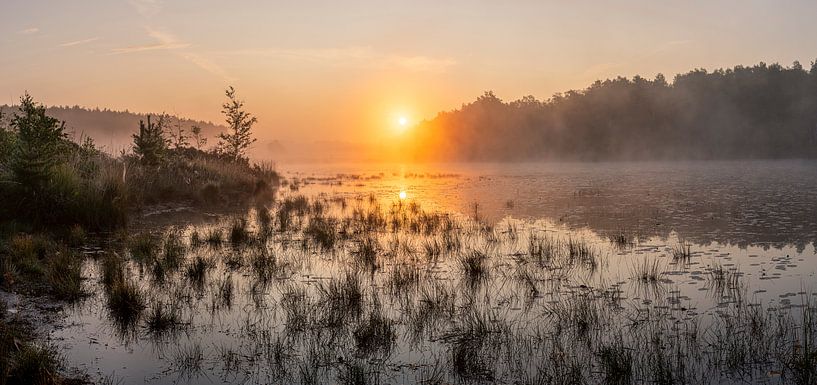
[37, 149]
[234, 143]
[150, 144]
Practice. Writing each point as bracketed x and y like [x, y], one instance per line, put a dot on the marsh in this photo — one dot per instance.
[614, 273]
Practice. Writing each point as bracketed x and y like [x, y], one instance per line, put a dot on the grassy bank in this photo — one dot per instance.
[56, 193]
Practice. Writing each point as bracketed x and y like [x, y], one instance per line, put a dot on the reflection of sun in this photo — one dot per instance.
[403, 195]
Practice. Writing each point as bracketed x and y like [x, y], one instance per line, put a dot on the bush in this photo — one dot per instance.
[150, 144]
[53, 182]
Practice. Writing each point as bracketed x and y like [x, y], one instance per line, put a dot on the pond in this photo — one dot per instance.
[696, 272]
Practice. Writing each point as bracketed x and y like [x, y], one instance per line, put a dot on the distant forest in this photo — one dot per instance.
[763, 111]
[112, 130]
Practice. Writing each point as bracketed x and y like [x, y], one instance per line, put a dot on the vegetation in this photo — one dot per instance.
[55, 191]
[762, 111]
[150, 145]
[234, 143]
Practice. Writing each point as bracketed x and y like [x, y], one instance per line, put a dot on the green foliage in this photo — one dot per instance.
[150, 144]
[47, 180]
[37, 151]
[7, 144]
[234, 143]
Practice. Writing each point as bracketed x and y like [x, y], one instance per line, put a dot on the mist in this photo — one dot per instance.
[758, 112]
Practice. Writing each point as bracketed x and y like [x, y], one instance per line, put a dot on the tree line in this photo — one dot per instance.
[762, 111]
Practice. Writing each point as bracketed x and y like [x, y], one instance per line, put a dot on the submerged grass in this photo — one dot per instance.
[338, 290]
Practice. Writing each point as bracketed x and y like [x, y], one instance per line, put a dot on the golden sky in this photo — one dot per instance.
[347, 70]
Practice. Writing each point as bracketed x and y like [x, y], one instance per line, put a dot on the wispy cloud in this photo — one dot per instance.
[207, 65]
[146, 8]
[169, 42]
[28, 31]
[164, 41]
[362, 57]
[78, 42]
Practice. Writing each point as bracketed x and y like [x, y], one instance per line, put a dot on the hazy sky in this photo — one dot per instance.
[339, 69]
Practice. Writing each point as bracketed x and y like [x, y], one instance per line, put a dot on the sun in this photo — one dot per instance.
[402, 121]
[402, 195]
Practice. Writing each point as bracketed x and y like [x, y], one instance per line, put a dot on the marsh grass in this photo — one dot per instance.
[322, 231]
[341, 299]
[375, 334]
[214, 237]
[622, 240]
[188, 361]
[144, 246]
[125, 306]
[648, 271]
[366, 254]
[34, 364]
[335, 294]
[64, 276]
[474, 266]
[27, 253]
[162, 320]
[580, 251]
[173, 249]
[239, 233]
[616, 362]
[197, 268]
[682, 252]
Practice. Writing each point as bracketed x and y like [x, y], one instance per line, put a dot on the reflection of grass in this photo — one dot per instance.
[161, 319]
[125, 306]
[622, 240]
[649, 271]
[332, 293]
[682, 252]
[474, 265]
[189, 360]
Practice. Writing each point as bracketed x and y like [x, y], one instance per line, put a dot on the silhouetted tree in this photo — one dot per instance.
[150, 143]
[198, 138]
[234, 143]
[178, 135]
[37, 146]
[763, 111]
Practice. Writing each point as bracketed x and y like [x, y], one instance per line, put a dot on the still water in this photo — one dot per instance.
[749, 230]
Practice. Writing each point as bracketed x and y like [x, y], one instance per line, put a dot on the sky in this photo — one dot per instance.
[349, 70]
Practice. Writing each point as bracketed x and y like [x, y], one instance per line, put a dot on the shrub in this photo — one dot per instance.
[150, 144]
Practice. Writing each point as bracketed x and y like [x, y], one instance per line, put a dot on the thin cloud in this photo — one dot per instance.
[362, 57]
[79, 42]
[28, 31]
[207, 65]
[146, 8]
[169, 42]
[165, 41]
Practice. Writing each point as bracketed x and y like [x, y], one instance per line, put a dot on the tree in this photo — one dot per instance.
[198, 138]
[150, 144]
[178, 135]
[6, 144]
[37, 148]
[234, 143]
